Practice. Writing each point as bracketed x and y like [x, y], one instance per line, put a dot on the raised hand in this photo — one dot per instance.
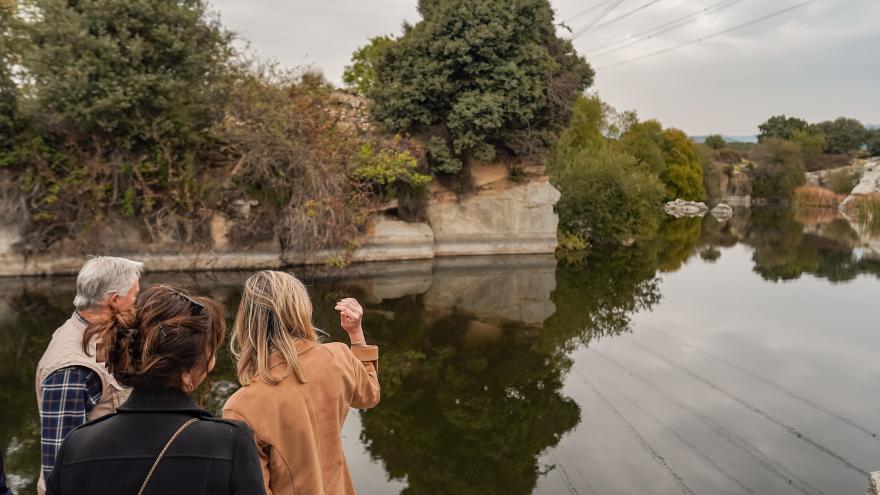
[351, 315]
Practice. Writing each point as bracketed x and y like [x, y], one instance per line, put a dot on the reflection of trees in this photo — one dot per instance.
[784, 251]
[677, 241]
[25, 328]
[460, 417]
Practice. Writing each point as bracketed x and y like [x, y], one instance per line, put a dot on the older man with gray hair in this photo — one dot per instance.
[72, 387]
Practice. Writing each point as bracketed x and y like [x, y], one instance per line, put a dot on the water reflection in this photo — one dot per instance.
[476, 351]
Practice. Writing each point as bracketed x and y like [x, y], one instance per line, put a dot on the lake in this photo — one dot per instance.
[721, 357]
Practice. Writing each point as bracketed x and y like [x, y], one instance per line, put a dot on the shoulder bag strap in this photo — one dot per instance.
[162, 454]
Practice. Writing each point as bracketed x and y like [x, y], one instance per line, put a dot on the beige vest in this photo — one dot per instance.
[65, 350]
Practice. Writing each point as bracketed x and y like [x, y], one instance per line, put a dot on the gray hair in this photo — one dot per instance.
[101, 276]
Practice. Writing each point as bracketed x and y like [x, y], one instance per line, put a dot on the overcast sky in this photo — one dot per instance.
[818, 62]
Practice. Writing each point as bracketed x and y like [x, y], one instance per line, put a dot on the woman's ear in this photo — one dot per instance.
[186, 382]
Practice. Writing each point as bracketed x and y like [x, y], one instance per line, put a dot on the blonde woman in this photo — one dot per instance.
[297, 391]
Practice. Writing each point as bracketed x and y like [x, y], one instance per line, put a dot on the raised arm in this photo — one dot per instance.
[365, 357]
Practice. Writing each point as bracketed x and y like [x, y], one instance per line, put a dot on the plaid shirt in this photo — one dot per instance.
[68, 396]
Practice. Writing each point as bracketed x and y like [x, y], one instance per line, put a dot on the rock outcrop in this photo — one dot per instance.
[870, 182]
[681, 208]
[503, 218]
[388, 238]
[736, 190]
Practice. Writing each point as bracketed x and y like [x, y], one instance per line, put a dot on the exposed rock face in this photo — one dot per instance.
[874, 483]
[870, 183]
[506, 218]
[736, 190]
[504, 215]
[393, 239]
[681, 208]
[722, 212]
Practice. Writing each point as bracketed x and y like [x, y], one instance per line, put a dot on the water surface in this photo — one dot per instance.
[735, 357]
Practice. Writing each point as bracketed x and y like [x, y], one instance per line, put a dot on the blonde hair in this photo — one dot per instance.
[275, 311]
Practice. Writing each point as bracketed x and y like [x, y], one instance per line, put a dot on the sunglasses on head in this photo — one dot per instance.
[196, 307]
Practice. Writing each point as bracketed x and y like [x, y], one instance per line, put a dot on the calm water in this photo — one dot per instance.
[720, 358]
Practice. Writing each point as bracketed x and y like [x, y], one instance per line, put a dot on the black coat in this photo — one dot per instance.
[4, 490]
[113, 454]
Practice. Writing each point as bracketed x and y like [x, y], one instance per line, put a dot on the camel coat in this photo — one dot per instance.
[297, 424]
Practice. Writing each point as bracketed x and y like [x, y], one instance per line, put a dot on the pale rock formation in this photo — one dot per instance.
[506, 218]
[393, 239]
[681, 208]
[722, 212]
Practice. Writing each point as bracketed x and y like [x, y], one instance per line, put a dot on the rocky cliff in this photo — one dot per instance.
[503, 214]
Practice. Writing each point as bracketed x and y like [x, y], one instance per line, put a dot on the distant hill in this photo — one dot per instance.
[872, 126]
[729, 139]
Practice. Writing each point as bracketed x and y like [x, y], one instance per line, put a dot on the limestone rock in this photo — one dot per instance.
[487, 173]
[515, 219]
[722, 212]
[737, 189]
[389, 239]
[870, 183]
[220, 228]
[681, 208]
[874, 483]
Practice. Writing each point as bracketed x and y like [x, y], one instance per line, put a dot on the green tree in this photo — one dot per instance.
[842, 135]
[588, 119]
[782, 127]
[812, 143]
[872, 141]
[778, 169]
[128, 75]
[715, 141]
[479, 77]
[8, 88]
[683, 173]
[608, 197]
[644, 140]
[361, 74]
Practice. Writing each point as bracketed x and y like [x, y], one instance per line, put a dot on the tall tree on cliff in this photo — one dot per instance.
[127, 75]
[479, 77]
[8, 88]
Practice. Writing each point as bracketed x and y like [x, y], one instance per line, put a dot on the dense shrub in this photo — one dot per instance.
[608, 197]
[777, 169]
[843, 181]
[479, 77]
[390, 171]
[713, 172]
[644, 140]
[815, 197]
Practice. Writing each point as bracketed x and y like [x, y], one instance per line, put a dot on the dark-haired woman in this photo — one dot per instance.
[159, 441]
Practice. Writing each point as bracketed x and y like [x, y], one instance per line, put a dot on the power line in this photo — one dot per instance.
[585, 12]
[663, 28]
[616, 19]
[599, 17]
[713, 35]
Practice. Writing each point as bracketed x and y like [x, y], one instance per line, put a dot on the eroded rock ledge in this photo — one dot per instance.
[504, 215]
